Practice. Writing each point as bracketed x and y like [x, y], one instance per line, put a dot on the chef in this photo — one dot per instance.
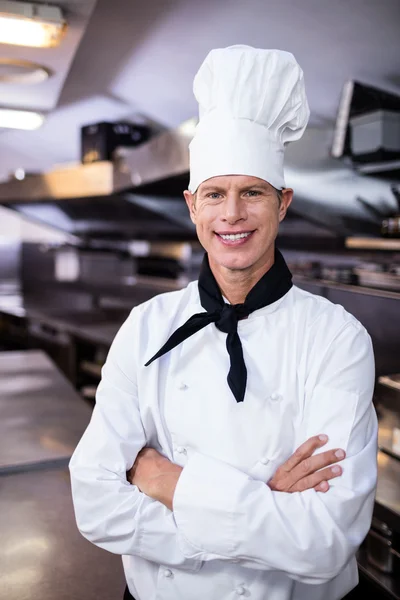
[232, 449]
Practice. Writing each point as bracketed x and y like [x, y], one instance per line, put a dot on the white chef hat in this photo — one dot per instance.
[252, 102]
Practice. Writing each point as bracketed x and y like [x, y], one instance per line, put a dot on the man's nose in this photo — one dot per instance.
[234, 208]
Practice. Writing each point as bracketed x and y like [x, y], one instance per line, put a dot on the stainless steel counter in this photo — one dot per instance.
[42, 417]
[93, 325]
[92, 328]
[42, 554]
[89, 326]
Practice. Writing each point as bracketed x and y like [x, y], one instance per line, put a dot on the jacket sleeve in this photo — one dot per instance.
[110, 512]
[224, 514]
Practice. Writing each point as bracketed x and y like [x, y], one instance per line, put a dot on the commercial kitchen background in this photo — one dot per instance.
[93, 222]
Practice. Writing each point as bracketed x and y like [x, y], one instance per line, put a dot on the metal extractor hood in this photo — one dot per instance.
[138, 195]
[109, 199]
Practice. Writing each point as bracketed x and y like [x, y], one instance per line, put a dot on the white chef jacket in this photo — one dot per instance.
[310, 370]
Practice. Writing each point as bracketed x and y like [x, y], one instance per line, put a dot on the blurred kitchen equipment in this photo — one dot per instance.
[375, 212]
[380, 551]
[375, 135]
[381, 275]
[84, 265]
[391, 225]
[389, 222]
[99, 140]
[367, 130]
[387, 394]
[339, 274]
[378, 279]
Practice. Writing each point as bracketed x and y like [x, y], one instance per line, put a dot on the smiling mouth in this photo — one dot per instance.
[234, 236]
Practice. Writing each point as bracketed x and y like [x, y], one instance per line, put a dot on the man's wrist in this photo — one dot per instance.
[163, 487]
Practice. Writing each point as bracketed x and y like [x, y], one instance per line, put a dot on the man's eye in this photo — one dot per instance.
[253, 193]
[214, 196]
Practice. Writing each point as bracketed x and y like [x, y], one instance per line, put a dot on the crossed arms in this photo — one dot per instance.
[220, 512]
[157, 477]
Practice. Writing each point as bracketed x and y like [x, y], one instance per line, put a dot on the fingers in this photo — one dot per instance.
[317, 480]
[304, 451]
[322, 487]
[313, 471]
[316, 463]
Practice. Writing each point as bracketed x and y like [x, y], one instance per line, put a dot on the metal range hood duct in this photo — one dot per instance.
[164, 157]
[106, 199]
[138, 195]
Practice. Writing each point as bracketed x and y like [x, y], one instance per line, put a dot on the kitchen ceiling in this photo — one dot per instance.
[137, 60]
[44, 96]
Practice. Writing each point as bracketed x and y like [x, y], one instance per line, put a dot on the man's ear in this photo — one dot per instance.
[287, 197]
[191, 204]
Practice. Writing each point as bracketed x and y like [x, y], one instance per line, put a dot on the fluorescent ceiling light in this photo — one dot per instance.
[22, 72]
[27, 24]
[20, 119]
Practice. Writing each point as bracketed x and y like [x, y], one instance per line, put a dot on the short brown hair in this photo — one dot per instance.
[279, 194]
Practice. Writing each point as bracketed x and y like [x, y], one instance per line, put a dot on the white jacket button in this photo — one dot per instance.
[275, 397]
[240, 590]
[264, 460]
[167, 573]
[182, 385]
[181, 450]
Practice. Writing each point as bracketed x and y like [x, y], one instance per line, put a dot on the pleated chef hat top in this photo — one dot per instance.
[252, 102]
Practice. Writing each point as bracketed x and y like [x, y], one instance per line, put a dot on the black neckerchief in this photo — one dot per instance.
[272, 286]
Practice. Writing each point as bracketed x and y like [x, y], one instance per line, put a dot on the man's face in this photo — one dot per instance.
[237, 219]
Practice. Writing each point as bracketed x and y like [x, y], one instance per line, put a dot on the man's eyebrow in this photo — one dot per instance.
[258, 187]
[212, 188]
[216, 188]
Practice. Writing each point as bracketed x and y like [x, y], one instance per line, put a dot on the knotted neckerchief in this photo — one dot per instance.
[271, 287]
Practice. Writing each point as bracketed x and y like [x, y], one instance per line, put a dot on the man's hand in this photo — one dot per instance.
[155, 476]
[302, 471]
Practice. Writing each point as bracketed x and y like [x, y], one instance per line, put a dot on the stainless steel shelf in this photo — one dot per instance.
[364, 243]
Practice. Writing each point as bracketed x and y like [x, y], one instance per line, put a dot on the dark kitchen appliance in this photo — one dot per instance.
[367, 130]
[381, 552]
[99, 140]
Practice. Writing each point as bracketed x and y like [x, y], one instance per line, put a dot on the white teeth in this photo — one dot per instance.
[235, 236]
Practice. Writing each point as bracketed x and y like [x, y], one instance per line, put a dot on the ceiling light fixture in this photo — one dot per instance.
[20, 119]
[22, 72]
[29, 24]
